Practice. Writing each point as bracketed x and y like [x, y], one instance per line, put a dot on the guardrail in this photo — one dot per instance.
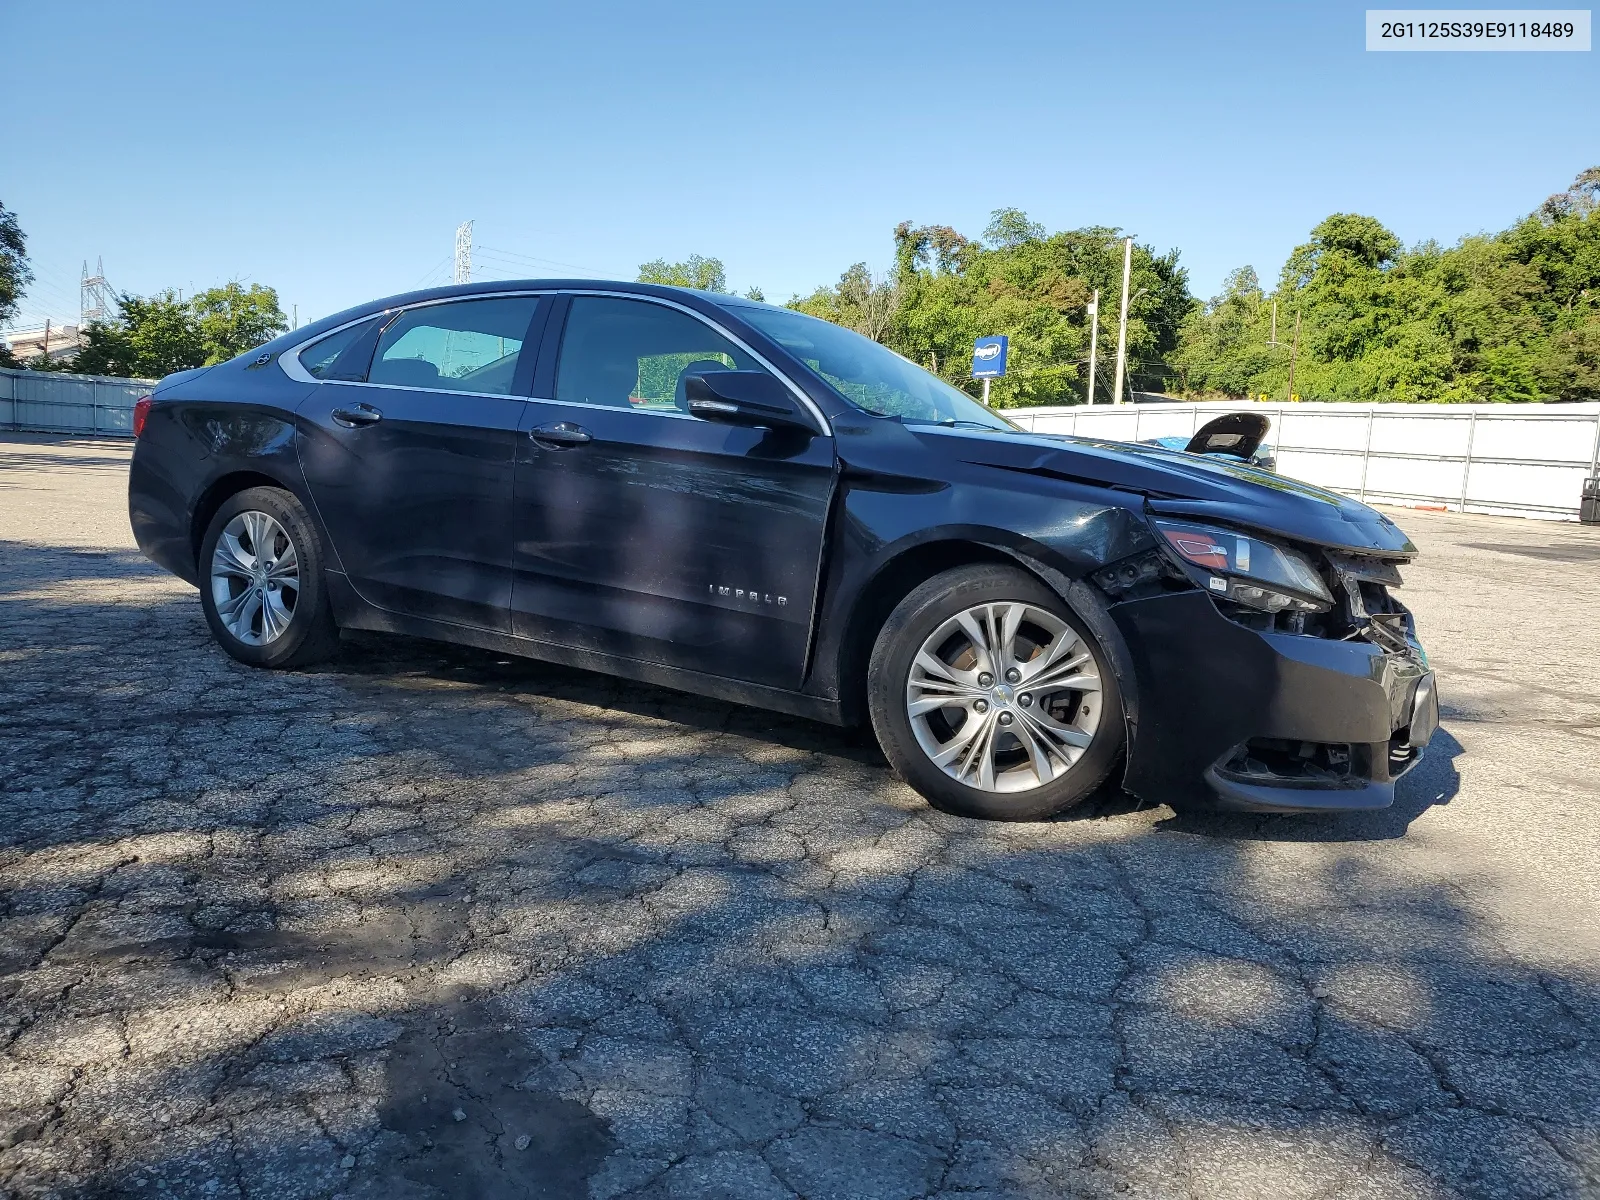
[55, 402]
[1525, 460]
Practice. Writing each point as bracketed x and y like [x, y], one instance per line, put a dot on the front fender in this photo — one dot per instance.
[868, 572]
[1090, 607]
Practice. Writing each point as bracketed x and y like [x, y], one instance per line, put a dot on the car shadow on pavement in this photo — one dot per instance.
[381, 658]
[414, 932]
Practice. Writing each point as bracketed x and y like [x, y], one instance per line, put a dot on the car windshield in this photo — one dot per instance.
[871, 376]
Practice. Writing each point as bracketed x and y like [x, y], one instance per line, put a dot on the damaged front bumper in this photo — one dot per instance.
[1269, 721]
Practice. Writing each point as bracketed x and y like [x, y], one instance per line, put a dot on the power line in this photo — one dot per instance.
[524, 269]
[431, 272]
[512, 254]
[44, 287]
[513, 269]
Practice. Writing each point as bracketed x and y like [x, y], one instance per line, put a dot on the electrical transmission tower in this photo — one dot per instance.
[464, 252]
[97, 299]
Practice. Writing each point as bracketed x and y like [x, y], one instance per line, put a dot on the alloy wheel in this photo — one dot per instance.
[255, 578]
[1004, 697]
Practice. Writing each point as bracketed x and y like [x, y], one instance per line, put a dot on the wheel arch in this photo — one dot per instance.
[899, 575]
[891, 583]
[1090, 607]
[216, 494]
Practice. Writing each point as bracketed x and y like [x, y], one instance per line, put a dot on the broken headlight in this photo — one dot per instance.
[1250, 571]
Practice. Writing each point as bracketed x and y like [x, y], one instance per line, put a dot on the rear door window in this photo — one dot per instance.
[463, 346]
[636, 354]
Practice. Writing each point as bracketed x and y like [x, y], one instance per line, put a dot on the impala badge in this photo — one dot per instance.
[750, 594]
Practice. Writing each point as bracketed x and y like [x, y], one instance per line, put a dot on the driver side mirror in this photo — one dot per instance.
[750, 398]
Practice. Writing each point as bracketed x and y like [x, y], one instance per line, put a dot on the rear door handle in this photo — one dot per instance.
[561, 433]
[356, 415]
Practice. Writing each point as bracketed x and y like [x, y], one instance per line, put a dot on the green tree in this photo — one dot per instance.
[231, 320]
[860, 301]
[945, 290]
[162, 334]
[1223, 346]
[105, 350]
[707, 274]
[1009, 228]
[15, 274]
[1510, 317]
[155, 335]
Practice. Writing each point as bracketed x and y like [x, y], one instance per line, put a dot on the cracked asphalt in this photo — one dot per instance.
[428, 922]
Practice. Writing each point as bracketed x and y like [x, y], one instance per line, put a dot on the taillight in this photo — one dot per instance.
[141, 410]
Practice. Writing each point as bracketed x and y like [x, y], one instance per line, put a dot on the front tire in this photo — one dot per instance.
[992, 699]
[262, 583]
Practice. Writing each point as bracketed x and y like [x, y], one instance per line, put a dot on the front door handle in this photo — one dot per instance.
[561, 433]
[357, 415]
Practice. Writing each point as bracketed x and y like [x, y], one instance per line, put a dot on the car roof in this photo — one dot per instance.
[312, 330]
[493, 286]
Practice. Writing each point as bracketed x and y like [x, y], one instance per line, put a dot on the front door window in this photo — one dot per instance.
[633, 354]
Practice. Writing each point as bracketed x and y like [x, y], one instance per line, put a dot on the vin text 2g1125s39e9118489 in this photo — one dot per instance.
[729, 498]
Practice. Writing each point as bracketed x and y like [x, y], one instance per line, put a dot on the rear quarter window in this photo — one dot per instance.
[319, 357]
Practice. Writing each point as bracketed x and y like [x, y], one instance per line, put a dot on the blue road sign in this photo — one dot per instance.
[989, 357]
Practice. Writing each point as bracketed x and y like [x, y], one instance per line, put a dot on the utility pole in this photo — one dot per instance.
[1294, 353]
[46, 351]
[1273, 340]
[1094, 338]
[464, 252]
[296, 308]
[1122, 326]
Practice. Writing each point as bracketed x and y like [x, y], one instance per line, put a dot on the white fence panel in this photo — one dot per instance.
[1536, 488]
[1326, 431]
[1556, 439]
[1166, 423]
[1522, 460]
[55, 402]
[1418, 436]
[1341, 472]
[1419, 479]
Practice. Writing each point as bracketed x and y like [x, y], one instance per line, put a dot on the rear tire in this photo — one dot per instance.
[992, 699]
[262, 582]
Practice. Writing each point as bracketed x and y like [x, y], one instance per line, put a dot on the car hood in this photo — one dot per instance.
[1205, 488]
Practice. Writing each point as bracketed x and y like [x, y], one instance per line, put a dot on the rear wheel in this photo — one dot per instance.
[991, 698]
[262, 584]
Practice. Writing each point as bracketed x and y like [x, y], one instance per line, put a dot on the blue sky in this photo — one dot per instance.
[331, 149]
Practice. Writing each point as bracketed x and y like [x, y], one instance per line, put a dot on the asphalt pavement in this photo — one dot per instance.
[431, 922]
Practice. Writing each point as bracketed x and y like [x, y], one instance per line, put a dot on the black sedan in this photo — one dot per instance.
[725, 497]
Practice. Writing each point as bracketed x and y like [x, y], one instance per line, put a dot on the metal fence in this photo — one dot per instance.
[1512, 459]
[54, 402]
